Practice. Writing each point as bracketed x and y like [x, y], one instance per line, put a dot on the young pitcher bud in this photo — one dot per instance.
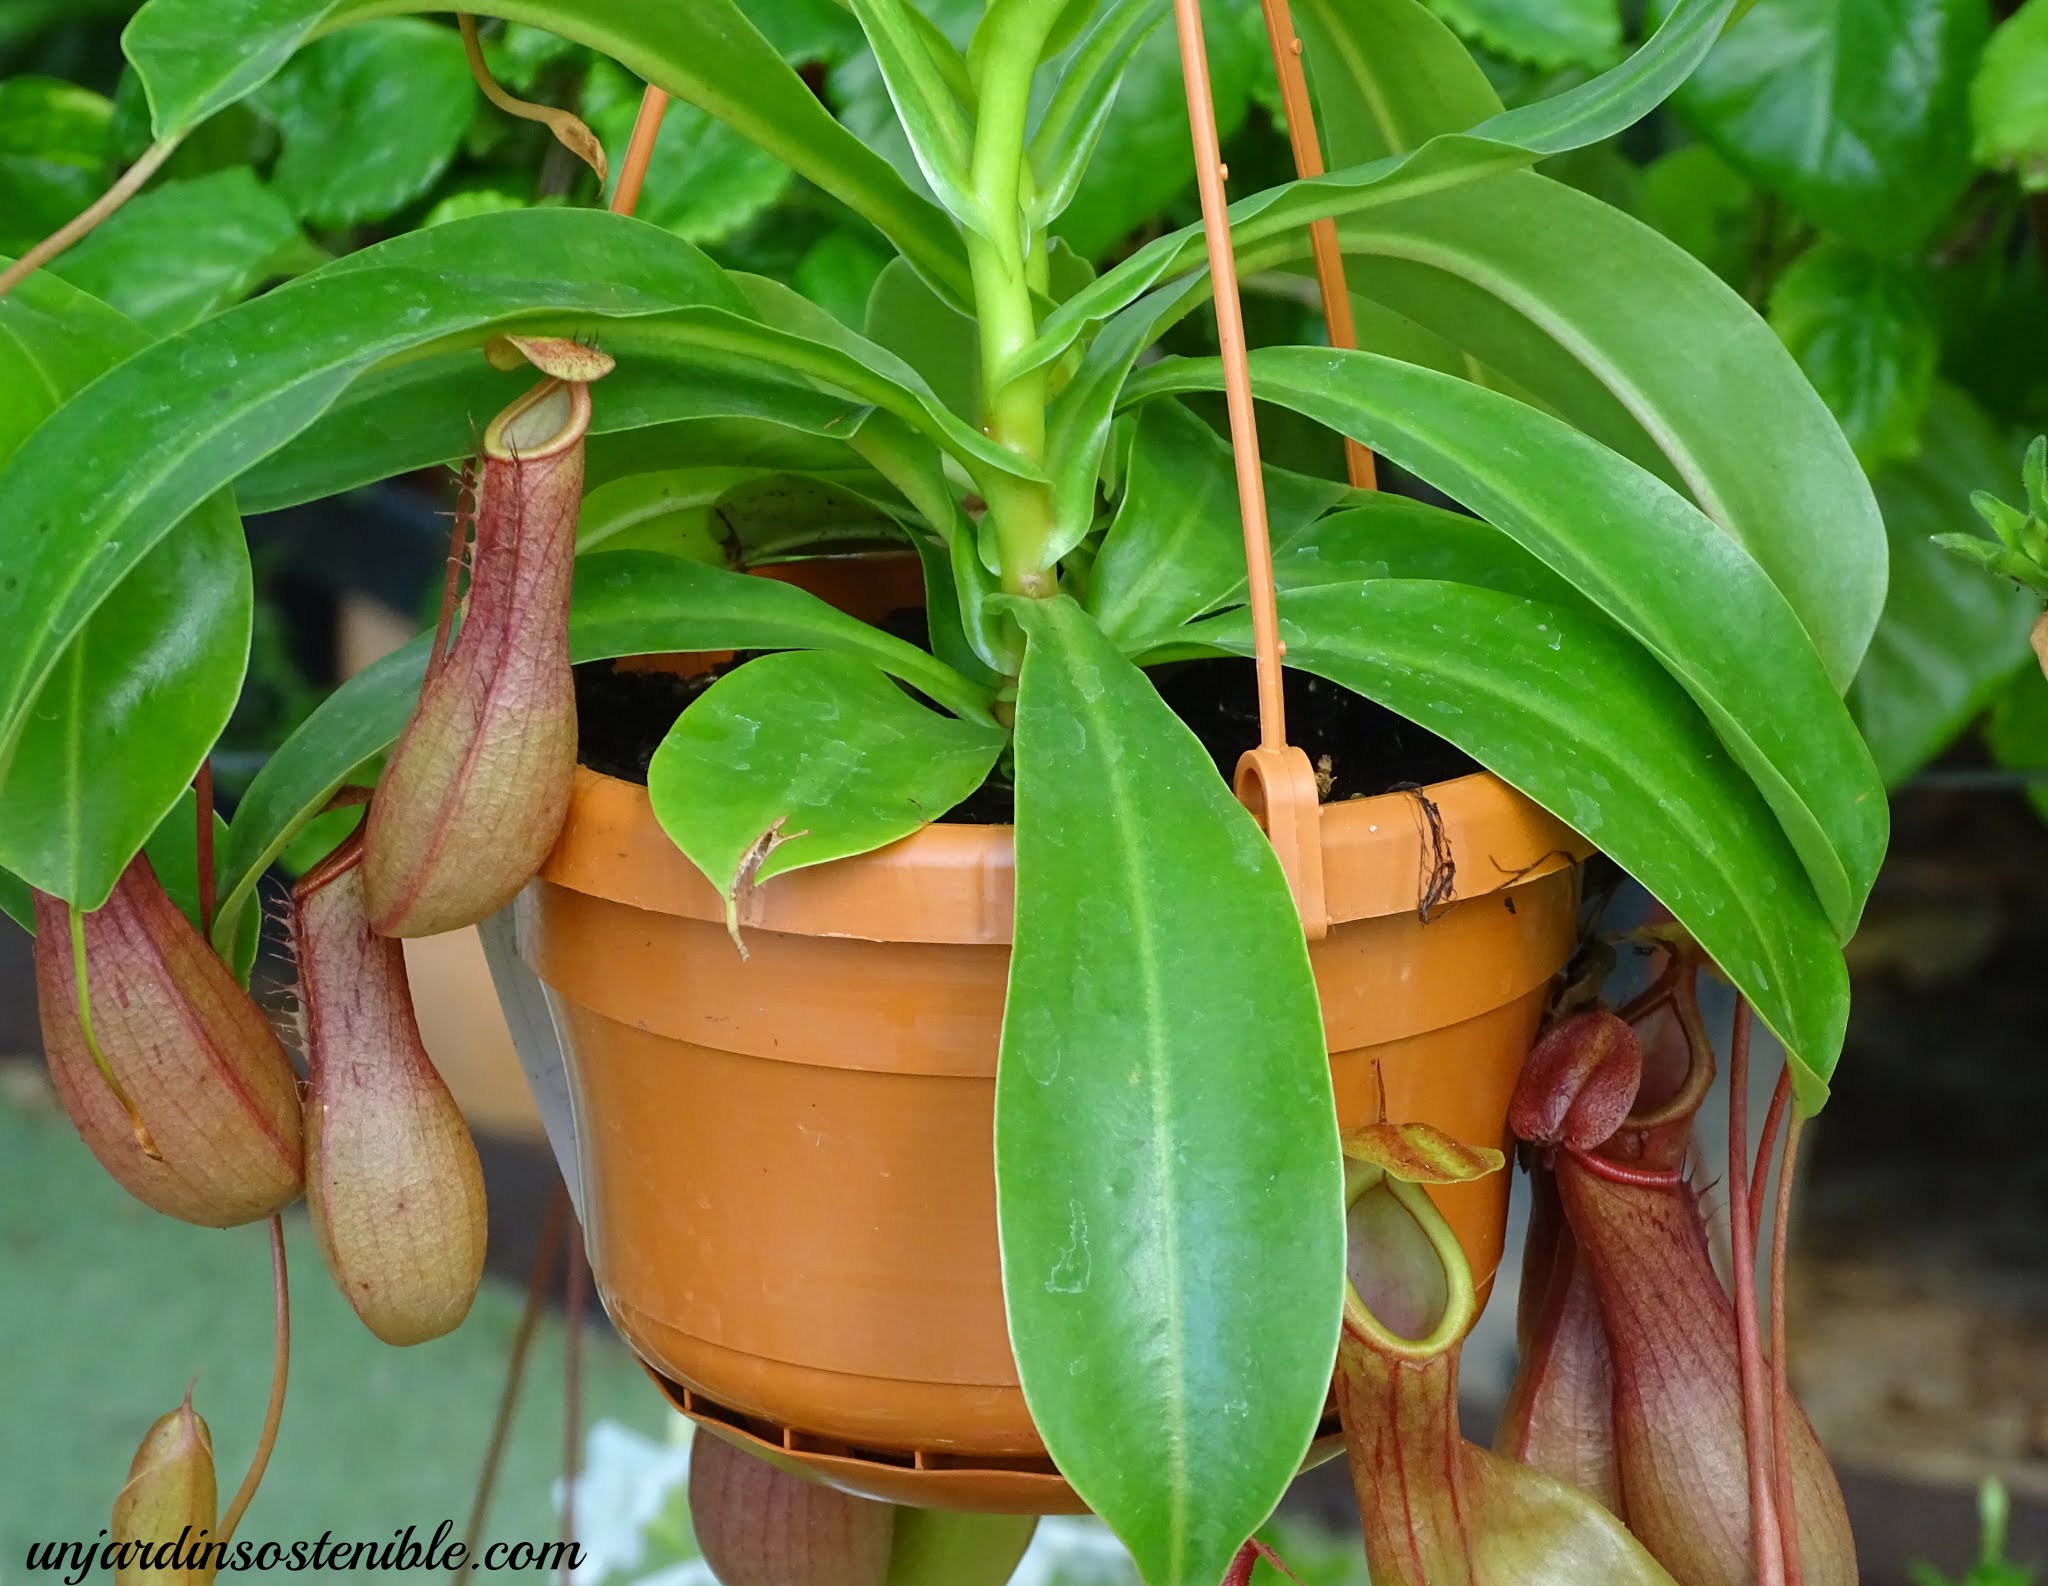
[476, 790]
[1579, 1082]
[196, 1110]
[759, 1525]
[392, 1178]
[164, 1516]
[1678, 1421]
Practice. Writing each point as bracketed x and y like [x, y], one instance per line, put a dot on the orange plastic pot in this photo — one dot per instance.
[788, 1180]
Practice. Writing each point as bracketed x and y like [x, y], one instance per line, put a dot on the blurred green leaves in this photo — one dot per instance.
[2009, 99]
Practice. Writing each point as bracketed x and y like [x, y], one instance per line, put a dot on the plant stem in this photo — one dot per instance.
[1760, 1179]
[1002, 256]
[1782, 1406]
[515, 1376]
[73, 230]
[280, 1369]
[1763, 1518]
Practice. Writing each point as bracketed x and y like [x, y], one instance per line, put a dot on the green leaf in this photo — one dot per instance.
[2017, 732]
[625, 603]
[1143, 160]
[705, 181]
[1584, 721]
[1587, 114]
[1175, 549]
[1857, 114]
[1863, 330]
[1652, 355]
[135, 696]
[1067, 134]
[196, 409]
[369, 118]
[801, 758]
[1389, 76]
[1167, 1179]
[17, 902]
[929, 109]
[2009, 98]
[839, 273]
[1546, 34]
[1950, 635]
[1642, 553]
[54, 150]
[195, 56]
[182, 250]
[905, 315]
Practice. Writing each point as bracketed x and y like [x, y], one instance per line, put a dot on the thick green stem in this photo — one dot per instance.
[1003, 259]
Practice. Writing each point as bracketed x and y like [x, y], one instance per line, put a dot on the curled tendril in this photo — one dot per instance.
[568, 128]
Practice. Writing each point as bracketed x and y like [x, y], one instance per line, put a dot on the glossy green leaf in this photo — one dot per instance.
[905, 315]
[1857, 114]
[927, 106]
[839, 273]
[1587, 114]
[54, 147]
[1167, 1179]
[135, 696]
[1389, 536]
[1069, 131]
[1389, 76]
[1175, 548]
[198, 408]
[625, 603]
[2009, 98]
[804, 757]
[429, 410]
[1951, 634]
[182, 250]
[1863, 330]
[1143, 160]
[729, 517]
[17, 902]
[369, 117]
[195, 56]
[1547, 34]
[1584, 721]
[705, 181]
[1656, 357]
[1642, 553]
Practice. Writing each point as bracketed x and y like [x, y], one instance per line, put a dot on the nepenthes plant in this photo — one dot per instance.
[1664, 568]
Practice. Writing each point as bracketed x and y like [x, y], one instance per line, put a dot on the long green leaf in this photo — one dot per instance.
[941, 137]
[1167, 1181]
[1642, 553]
[430, 408]
[1584, 115]
[193, 411]
[1653, 355]
[197, 56]
[1066, 135]
[133, 698]
[625, 603]
[1389, 76]
[1584, 721]
[803, 757]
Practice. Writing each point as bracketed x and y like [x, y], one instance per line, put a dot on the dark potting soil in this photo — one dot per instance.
[1357, 747]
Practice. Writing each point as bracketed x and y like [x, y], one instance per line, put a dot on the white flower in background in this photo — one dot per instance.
[630, 1483]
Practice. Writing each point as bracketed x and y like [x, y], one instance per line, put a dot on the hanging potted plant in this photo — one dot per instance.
[991, 1164]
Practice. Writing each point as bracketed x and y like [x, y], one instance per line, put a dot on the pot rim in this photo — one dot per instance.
[1382, 856]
